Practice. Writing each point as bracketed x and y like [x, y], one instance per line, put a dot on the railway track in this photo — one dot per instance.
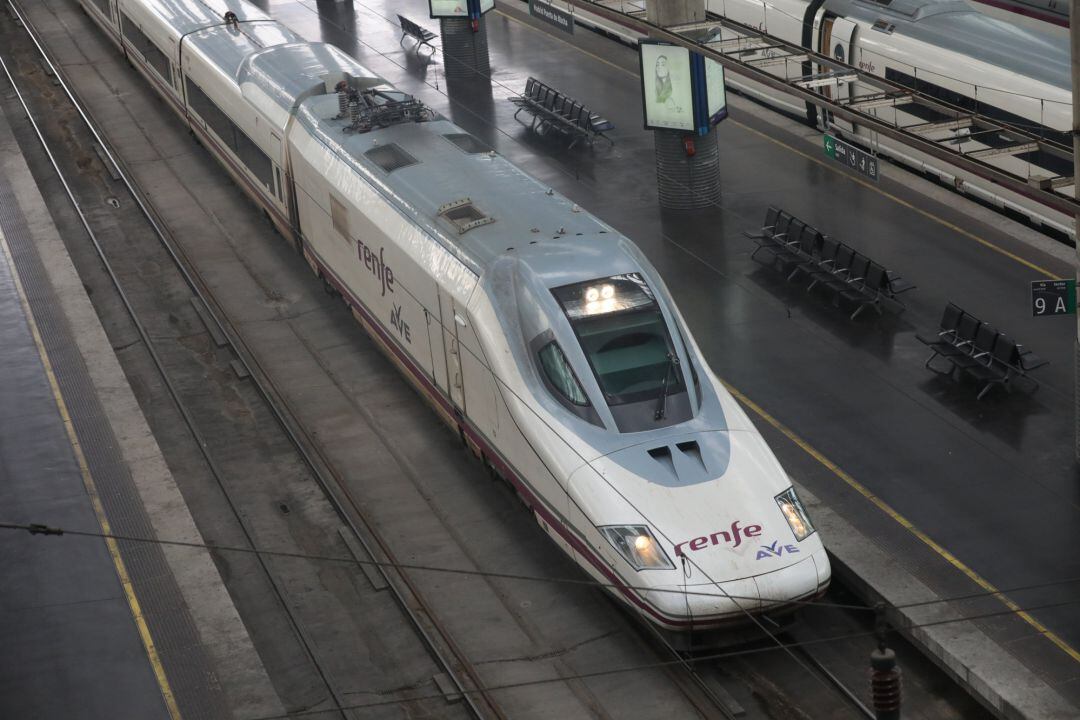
[464, 680]
[704, 693]
[455, 665]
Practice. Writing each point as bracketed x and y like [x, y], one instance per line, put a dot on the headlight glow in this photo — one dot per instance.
[592, 295]
[638, 546]
[607, 292]
[795, 514]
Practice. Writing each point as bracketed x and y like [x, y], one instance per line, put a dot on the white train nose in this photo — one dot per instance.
[698, 600]
[701, 601]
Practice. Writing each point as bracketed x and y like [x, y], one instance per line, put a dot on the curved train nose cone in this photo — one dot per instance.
[710, 498]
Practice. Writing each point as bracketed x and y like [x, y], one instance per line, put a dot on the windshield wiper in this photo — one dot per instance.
[661, 408]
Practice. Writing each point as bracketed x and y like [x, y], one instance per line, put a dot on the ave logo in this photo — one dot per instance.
[399, 324]
[775, 549]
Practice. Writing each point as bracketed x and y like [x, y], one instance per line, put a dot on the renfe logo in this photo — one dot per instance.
[375, 264]
[734, 537]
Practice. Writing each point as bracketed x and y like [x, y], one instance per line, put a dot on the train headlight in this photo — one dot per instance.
[638, 546]
[795, 514]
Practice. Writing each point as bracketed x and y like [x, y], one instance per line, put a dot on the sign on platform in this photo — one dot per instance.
[843, 152]
[552, 15]
[680, 90]
[1053, 297]
[459, 8]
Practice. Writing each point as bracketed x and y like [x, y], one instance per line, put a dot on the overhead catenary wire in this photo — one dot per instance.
[40, 529]
[351, 560]
[515, 140]
[711, 657]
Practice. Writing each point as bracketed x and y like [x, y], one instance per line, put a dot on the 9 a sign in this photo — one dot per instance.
[1053, 297]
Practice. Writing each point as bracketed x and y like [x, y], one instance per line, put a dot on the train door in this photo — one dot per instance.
[837, 40]
[453, 319]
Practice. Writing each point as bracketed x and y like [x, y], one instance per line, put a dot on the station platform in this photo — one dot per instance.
[95, 627]
[921, 492]
[968, 498]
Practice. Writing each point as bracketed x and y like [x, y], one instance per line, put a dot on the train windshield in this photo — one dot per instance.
[625, 338]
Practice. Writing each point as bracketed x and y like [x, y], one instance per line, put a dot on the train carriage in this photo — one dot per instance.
[537, 331]
[949, 51]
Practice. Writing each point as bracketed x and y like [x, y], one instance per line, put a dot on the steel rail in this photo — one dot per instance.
[185, 413]
[408, 597]
[1021, 186]
[847, 693]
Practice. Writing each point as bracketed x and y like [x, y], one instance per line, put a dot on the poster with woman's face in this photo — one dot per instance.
[665, 76]
[449, 8]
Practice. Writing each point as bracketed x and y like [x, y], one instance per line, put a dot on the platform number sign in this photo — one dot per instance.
[861, 162]
[1053, 297]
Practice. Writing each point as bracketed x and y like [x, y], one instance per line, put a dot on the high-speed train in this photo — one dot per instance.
[1055, 12]
[537, 331]
[948, 50]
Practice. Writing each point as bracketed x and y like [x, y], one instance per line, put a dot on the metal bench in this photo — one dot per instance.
[795, 248]
[422, 35]
[980, 351]
[554, 111]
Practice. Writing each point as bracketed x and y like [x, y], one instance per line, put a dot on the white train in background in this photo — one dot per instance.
[537, 331]
[950, 51]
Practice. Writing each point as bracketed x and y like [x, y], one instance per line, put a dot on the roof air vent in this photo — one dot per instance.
[467, 143]
[662, 455]
[464, 215]
[390, 157]
[884, 26]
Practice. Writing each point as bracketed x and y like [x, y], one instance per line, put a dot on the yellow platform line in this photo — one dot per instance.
[903, 521]
[809, 449]
[92, 492]
[832, 167]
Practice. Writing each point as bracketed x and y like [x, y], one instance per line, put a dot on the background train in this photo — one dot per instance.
[950, 51]
[537, 331]
[1055, 12]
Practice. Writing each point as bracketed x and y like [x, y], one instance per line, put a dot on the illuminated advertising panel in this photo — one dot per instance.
[458, 8]
[666, 87]
[448, 8]
[715, 90]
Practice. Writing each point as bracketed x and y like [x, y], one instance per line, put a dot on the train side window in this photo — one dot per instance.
[339, 214]
[250, 154]
[103, 5]
[145, 46]
[209, 112]
[561, 375]
[253, 158]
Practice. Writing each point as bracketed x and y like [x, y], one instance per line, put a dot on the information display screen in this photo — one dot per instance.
[666, 87]
[716, 91]
[449, 8]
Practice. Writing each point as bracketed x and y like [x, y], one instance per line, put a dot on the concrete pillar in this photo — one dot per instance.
[687, 183]
[1074, 46]
[684, 182]
[465, 53]
[666, 13]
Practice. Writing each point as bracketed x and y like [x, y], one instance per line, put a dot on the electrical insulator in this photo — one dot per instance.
[688, 146]
[885, 684]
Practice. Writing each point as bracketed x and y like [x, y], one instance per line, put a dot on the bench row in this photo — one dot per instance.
[979, 350]
[553, 110]
[422, 35]
[796, 248]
